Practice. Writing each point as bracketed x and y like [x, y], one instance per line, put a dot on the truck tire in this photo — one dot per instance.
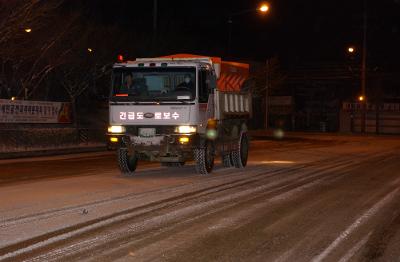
[127, 163]
[239, 156]
[226, 160]
[204, 158]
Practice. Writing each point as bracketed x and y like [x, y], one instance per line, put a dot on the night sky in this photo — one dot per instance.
[306, 30]
[308, 41]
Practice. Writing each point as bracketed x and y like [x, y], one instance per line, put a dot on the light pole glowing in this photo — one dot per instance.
[264, 8]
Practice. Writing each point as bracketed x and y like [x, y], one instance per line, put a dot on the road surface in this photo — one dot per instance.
[323, 198]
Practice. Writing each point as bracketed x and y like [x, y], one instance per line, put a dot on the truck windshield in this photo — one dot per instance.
[154, 83]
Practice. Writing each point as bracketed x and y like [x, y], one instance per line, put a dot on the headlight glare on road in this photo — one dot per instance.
[185, 129]
[116, 129]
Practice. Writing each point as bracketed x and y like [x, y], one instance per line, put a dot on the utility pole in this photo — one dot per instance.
[363, 71]
[155, 18]
[264, 8]
[155, 9]
[229, 36]
[266, 92]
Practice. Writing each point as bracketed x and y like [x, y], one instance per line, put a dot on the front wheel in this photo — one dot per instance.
[239, 156]
[127, 161]
[204, 157]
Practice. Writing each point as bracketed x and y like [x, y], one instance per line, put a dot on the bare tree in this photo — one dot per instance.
[276, 77]
[77, 80]
[27, 58]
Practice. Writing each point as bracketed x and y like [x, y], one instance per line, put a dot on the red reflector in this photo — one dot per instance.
[120, 58]
[121, 94]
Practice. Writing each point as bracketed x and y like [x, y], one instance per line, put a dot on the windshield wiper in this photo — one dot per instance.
[183, 101]
[174, 100]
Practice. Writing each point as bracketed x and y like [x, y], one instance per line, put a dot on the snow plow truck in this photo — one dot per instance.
[179, 108]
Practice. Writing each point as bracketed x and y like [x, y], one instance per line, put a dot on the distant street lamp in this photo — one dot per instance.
[363, 77]
[91, 56]
[28, 30]
[364, 69]
[263, 8]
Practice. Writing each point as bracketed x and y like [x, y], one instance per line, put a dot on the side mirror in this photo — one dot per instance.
[217, 69]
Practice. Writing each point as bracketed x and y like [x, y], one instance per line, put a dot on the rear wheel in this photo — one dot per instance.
[240, 155]
[204, 157]
[127, 162]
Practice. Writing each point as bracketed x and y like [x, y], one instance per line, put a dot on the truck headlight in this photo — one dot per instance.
[185, 129]
[116, 129]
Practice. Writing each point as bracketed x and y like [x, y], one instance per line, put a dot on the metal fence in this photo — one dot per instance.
[382, 119]
[20, 139]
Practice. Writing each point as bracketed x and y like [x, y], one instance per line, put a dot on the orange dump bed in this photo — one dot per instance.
[215, 60]
[232, 74]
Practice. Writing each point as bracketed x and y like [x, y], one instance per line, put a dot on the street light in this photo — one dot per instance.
[364, 68]
[263, 8]
[28, 30]
[90, 50]
[351, 49]
[361, 98]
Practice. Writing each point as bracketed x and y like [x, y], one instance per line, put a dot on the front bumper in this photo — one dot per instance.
[160, 148]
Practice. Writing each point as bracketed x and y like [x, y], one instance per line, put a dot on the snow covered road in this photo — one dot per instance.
[328, 198]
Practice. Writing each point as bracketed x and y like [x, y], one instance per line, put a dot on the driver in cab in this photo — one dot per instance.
[136, 86]
[186, 85]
